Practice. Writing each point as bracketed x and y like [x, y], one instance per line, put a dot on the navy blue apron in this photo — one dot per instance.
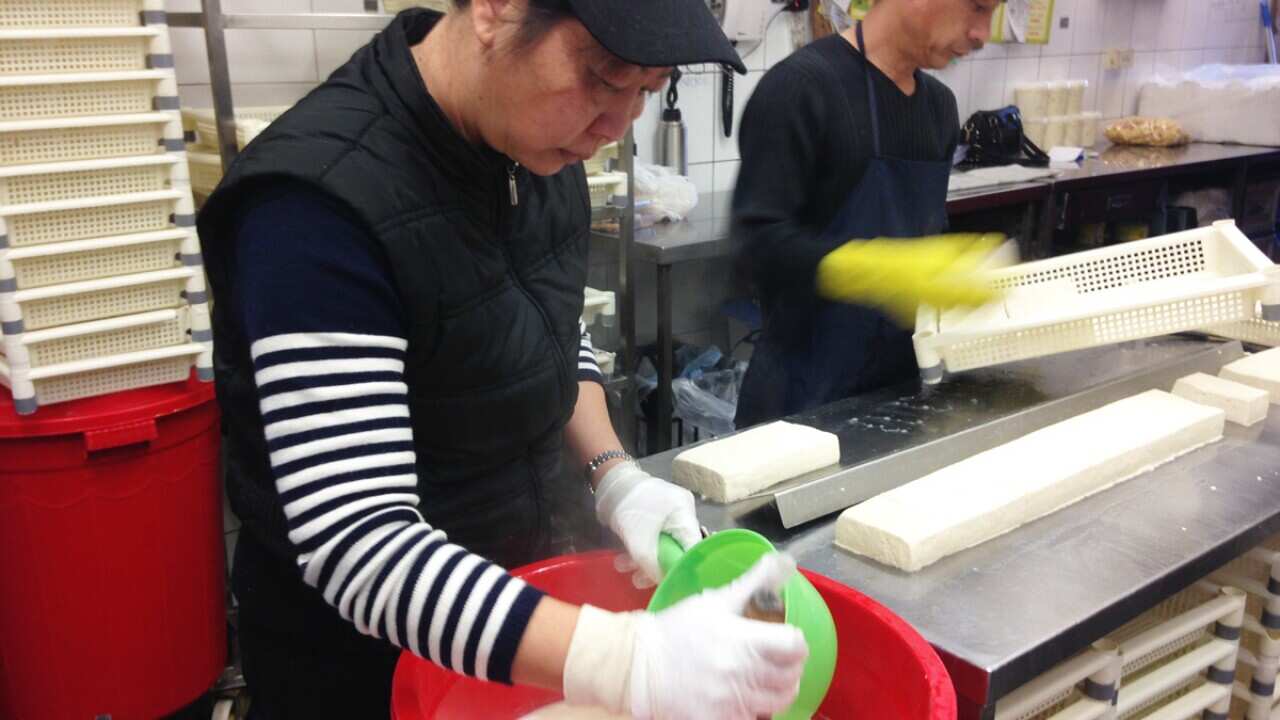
[849, 349]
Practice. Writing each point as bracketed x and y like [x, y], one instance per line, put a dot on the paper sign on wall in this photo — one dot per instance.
[1022, 21]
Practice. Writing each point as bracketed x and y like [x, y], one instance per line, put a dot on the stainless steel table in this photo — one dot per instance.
[1004, 612]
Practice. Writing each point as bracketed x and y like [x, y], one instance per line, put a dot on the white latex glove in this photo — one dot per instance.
[699, 658]
[638, 507]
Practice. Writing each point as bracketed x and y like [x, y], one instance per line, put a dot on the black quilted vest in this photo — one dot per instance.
[493, 292]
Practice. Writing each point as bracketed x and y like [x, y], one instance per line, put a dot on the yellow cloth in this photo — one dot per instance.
[899, 275]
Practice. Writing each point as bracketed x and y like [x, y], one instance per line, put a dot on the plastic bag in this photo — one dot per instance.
[662, 195]
[1155, 132]
[710, 401]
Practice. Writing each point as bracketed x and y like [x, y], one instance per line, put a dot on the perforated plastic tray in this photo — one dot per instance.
[603, 186]
[602, 161]
[33, 97]
[1174, 283]
[54, 182]
[206, 169]
[56, 305]
[59, 263]
[1256, 331]
[90, 138]
[250, 121]
[84, 218]
[75, 50]
[104, 338]
[73, 13]
[102, 376]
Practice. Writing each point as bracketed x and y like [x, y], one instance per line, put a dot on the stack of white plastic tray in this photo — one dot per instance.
[201, 130]
[1200, 278]
[1175, 661]
[101, 281]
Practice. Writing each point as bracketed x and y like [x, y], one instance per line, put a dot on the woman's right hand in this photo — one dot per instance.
[699, 658]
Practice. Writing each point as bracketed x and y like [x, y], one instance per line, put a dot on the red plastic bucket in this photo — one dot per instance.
[111, 555]
[884, 669]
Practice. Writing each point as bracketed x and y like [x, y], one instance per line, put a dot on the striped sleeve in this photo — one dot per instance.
[330, 379]
[588, 368]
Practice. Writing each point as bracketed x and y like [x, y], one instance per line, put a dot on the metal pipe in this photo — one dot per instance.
[220, 81]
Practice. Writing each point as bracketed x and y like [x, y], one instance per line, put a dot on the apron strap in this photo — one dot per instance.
[871, 94]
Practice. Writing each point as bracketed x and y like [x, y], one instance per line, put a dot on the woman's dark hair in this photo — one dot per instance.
[538, 20]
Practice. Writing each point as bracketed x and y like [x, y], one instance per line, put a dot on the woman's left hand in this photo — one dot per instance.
[639, 507]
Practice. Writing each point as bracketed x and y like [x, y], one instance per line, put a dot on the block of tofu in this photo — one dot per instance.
[1260, 370]
[1243, 404]
[748, 462]
[998, 490]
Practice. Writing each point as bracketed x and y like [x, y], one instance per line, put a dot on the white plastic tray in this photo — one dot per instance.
[59, 95]
[206, 169]
[605, 186]
[1174, 283]
[26, 142]
[55, 182]
[74, 13]
[47, 307]
[99, 376]
[33, 51]
[250, 121]
[69, 262]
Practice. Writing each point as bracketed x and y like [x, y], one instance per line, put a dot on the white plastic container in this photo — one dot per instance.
[57, 182]
[92, 217]
[1089, 123]
[1168, 284]
[603, 160]
[36, 51]
[1074, 136]
[74, 13]
[1032, 100]
[1055, 133]
[1036, 131]
[206, 169]
[250, 122]
[1075, 96]
[1059, 97]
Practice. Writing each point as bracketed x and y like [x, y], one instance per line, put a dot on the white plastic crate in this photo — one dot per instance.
[606, 185]
[599, 304]
[250, 121]
[34, 97]
[30, 51]
[603, 160]
[84, 218]
[27, 142]
[53, 182]
[206, 170]
[69, 262]
[74, 13]
[46, 307]
[100, 376]
[1256, 331]
[104, 338]
[1174, 283]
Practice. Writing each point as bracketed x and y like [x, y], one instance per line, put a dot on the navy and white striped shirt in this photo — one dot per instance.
[328, 340]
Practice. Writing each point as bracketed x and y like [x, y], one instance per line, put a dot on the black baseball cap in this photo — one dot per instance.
[658, 33]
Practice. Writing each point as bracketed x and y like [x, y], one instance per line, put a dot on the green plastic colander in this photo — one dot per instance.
[721, 558]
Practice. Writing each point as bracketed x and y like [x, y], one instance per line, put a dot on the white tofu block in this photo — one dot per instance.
[1244, 405]
[996, 491]
[746, 463]
[1260, 370]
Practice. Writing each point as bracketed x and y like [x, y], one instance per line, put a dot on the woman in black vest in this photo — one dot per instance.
[398, 265]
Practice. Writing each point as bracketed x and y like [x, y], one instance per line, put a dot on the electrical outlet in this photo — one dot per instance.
[1117, 59]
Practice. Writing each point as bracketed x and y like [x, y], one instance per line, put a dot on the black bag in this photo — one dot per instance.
[995, 137]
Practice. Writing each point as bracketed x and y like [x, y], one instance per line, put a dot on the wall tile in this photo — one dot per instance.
[990, 51]
[703, 177]
[645, 128]
[1024, 50]
[337, 6]
[1195, 33]
[1019, 71]
[777, 42]
[726, 176]
[1158, 24]
[1086, 33]
[1111, 93]
[1060, 39]
[958, 77]
[200, 95]
[1055, 68]
[1135, 77]
[1087, 67]
[726, 148]
[699, 102]
[1167, 63]
[987, 89]
[1117, 24]
[335, 47]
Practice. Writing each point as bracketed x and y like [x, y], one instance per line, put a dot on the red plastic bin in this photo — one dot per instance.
[884, 669]
[111, 555]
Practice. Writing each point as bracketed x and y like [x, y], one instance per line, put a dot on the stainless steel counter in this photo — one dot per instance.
[1006, 611]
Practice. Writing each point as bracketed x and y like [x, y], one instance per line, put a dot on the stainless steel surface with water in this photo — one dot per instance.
[1007, 610]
